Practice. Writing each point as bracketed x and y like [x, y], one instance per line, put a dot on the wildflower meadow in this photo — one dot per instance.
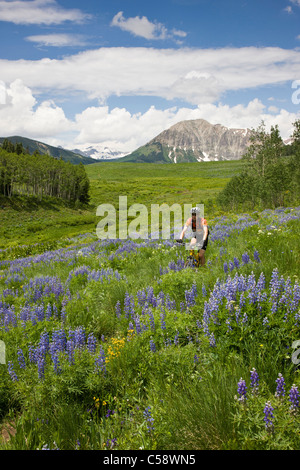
[114, 344]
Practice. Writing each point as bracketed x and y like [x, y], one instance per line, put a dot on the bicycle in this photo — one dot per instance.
[192, 261]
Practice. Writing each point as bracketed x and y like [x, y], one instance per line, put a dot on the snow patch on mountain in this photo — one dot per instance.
[99, 152]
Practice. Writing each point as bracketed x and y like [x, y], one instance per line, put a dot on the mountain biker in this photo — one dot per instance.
[200, 232]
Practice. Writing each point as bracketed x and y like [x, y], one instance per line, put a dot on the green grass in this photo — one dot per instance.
[27, 220]
[189, 385]
[147, 183]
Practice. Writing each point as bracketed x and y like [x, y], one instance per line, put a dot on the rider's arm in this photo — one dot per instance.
[183, 232]
[186, 226]
[205, 232]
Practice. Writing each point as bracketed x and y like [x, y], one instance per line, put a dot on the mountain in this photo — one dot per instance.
[193, 141]
[99, 152]
[57, 152]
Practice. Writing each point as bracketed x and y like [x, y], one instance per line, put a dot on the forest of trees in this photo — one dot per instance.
[40, 175]
[271, 177]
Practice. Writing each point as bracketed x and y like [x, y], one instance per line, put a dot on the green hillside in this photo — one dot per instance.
[32, 146]
[150, 153]
[158, 153]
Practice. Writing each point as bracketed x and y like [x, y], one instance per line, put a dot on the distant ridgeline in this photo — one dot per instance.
[40, 175]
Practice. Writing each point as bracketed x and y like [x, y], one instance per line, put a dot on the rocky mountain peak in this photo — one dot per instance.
[203, 140]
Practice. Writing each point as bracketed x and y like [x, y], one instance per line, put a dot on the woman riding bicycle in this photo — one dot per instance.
[200, 233]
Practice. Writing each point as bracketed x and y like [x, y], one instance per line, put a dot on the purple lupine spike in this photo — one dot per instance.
[11, 371]
[242, 390]
[294, 397]
[162, 321]
[149, 419]
[40, 359]
[280, 390]
[21, 359]
[79, 337]
[137, 324]
[231, 266]
[254, 380]
[245, 258]
[91, 343]
[100, 361]
[151, 319]
[268, 412]
[70, 350]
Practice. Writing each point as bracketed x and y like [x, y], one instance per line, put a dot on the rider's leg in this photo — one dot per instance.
[202, 257]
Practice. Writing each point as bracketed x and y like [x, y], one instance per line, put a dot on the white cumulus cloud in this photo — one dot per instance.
[194, 76]
[141, 26]
[119, 129]
[21, 114]
[58, 40]
[45, 12]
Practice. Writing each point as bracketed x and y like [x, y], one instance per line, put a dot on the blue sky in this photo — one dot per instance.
[116, 73]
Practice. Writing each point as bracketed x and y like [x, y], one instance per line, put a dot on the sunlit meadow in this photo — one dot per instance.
[113, 344]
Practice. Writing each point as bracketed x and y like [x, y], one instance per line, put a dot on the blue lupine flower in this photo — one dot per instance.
[149, 419]
[100, 361]
[109, 413]
[40, 358]
[151, 319]
[56, 367]
[70, 350]
[11, 372]
[268, 412]
[261, 282]
[212, 341]
[80, 337]
[162, 321]
[128, 304]
[91, 343]
[44, 340]
[21, 359]
[229, 328]
[280, 390]
[31, 353]
[110, 443]
[294, 397]
[137, 324]
[152, 346]
[256, 256]
[245, 258]
[266, 321]
[242, 390]
[231, 266]
[254, 380]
